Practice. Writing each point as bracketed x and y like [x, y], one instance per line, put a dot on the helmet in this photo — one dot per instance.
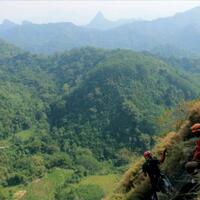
[147, 154]
[195, 128]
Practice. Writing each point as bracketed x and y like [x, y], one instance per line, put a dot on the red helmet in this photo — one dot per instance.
[147, 154]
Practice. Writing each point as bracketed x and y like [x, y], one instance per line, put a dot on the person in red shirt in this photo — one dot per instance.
[194, 163]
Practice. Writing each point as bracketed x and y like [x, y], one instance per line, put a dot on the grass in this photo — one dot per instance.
[44, 189]
[39, 189]
[9, 191]
[25, 135]
[4, 144]
[106, 182]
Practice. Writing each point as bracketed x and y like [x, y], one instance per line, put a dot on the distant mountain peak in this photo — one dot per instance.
[99, 18]
[99, 14]
[7, 21]
[7, 24]
[101, 23]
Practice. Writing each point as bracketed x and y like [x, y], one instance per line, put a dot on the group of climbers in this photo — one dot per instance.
[157, 178]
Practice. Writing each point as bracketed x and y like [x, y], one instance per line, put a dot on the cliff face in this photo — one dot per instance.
[180, 144]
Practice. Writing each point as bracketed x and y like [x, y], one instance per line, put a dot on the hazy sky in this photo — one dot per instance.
[81, 12]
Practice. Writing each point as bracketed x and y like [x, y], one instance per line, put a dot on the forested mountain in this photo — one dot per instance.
[8, 50]
[180, 32]
[74, 109]
[169, 51]
[48, 37]
[120, 98]
[97, 88]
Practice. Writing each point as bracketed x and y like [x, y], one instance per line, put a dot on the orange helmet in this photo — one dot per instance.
[195, 128]
[147, 154]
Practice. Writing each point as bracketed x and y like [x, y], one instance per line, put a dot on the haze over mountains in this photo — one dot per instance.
[181, 31]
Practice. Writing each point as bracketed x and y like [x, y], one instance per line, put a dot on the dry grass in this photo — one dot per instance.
[133, 185]
[18, 195]
[194, 112]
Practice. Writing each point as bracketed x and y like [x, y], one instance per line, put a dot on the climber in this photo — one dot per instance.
[151, 168]
[194, 163]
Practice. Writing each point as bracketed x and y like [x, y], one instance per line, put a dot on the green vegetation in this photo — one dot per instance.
[26, 134]
[91, 187]
[45, 188]
[8, 50]
[106, 182]
[85, 192]
[180, 145]
[70, 121]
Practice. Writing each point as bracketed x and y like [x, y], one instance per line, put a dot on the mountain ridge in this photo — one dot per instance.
[180, 31]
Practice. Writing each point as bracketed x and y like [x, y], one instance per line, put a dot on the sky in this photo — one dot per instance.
[81, 12]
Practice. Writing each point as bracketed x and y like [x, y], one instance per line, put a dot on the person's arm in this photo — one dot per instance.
[162, 158]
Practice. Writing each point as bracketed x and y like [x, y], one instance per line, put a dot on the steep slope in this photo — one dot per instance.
[180, 144]
[119, 100]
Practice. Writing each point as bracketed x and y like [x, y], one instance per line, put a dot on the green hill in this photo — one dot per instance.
[86, 110]
[117, 104]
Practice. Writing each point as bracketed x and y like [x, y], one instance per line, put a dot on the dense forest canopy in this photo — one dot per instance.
[85, 110]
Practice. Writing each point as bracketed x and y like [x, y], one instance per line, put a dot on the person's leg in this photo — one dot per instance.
[154, 195]
[154, 188]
